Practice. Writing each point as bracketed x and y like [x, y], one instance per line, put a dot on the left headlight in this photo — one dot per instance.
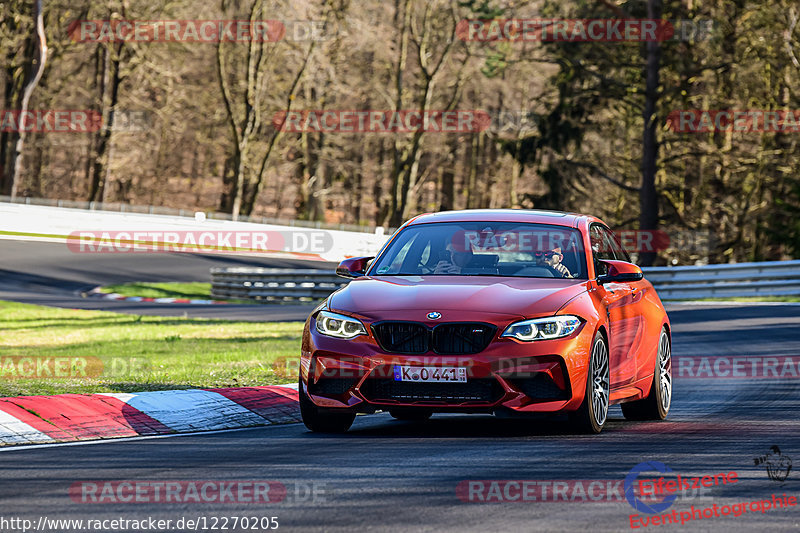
[340, 326]
[536, 329]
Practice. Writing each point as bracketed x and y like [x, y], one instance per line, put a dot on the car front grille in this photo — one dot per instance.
[402, 337]
[462, 338]
[483, 390]
[454, 338]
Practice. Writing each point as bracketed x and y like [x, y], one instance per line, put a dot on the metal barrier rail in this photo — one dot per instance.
[773, 278]
[273, 284]
[778, 278]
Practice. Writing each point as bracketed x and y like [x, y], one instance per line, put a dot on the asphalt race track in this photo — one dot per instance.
[386, 475]
[48, 273]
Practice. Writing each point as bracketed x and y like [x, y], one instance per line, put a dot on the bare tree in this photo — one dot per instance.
[434, 32]
[33, 75]
[648, 197]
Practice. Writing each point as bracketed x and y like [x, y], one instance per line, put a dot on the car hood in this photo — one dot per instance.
[375, 297]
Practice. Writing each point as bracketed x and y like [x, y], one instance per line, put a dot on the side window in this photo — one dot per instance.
[601, 250]
[619, 252]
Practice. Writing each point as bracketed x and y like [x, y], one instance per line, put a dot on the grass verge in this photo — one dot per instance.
[126, 353]
[191, 290]
[198, 290]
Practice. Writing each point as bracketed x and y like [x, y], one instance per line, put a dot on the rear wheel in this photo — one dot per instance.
[413, 415]
[323, 421]
[592, 414]
[656, 405]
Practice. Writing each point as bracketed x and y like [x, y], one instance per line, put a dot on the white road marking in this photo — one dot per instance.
[14, 431]
[125, 439]
[191, 410]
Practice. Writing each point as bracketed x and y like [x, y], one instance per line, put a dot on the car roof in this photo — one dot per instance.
[533, 216]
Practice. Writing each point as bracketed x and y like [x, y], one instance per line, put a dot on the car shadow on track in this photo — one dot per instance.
[465, 426]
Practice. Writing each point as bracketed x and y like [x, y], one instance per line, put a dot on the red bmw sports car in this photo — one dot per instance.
[489, 311]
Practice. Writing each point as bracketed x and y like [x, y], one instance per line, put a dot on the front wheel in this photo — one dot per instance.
[322, 421]
[656, 405]
[592, 414]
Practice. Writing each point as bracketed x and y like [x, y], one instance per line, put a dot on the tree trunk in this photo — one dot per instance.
[447, 186]
[516, 173]
[648, 197]
[472, 172]
[37, 68]
[5, 136]
[109, 97]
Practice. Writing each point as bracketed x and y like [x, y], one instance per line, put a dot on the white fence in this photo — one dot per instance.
[120, 207]
[56, 224]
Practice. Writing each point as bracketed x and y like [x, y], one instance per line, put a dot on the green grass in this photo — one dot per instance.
[162, 290]
[125, 353]
[193, 291]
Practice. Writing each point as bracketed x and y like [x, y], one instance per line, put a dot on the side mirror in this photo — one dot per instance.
[353, 267]
[620, 272]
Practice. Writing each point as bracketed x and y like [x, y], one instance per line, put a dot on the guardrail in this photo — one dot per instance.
[778, 278]
[273, 284]
[774, 278]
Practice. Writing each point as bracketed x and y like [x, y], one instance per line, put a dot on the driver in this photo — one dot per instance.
[452, 260]
[553, 259]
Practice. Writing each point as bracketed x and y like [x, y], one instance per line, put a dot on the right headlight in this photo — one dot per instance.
[535, 329]
[340, 326]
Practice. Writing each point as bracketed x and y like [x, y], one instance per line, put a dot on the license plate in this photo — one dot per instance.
[430, 374]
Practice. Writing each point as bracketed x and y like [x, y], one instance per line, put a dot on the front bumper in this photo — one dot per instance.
[545, 376]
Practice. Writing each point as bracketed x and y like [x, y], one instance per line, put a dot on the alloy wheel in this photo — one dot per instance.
[600, 382]
[665, 371]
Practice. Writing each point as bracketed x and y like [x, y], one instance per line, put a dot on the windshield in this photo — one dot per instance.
[484, 249]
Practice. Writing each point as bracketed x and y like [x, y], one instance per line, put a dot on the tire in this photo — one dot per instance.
[657, 403]
[592, 414]
[412, 415]
[323, 421]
